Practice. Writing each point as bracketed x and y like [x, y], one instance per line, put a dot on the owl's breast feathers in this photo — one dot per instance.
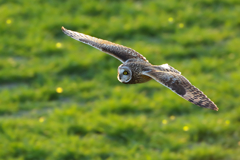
[137, 66]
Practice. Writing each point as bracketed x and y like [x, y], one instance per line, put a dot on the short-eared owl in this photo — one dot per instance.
[137, 69]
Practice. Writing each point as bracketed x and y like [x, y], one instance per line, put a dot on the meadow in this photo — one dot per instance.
[61, 100]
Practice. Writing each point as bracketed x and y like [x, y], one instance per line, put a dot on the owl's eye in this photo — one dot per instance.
[125, 73]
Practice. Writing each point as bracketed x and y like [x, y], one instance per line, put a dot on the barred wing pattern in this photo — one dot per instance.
[180, 85]
[120, 52]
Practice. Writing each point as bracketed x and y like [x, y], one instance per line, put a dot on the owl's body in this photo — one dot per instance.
[137, 69]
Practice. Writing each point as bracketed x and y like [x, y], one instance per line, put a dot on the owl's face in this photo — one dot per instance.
[124, 74]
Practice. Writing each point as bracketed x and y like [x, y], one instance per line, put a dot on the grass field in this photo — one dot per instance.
[61, 100]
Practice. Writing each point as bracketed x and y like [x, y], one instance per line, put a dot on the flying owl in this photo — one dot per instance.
[136, 69]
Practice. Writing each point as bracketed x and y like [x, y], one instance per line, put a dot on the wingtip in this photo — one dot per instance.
[63, 29]
[215, 108]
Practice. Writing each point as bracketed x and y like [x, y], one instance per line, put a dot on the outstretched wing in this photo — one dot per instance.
[180, 85]
[120, 52]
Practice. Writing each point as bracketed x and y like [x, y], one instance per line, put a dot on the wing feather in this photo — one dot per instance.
[120, 52]
[180, 85]
[167, 68]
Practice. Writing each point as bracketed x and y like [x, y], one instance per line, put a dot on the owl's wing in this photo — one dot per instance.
[180, 85]
[120, 52]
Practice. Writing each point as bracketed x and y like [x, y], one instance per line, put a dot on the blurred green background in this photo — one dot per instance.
[60, 99]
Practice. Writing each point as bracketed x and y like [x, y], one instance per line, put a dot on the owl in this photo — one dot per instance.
[136, 69]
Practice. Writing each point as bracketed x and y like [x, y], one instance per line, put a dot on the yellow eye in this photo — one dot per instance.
[125, 73]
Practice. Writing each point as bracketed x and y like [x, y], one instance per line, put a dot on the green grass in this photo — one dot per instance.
[97, 117]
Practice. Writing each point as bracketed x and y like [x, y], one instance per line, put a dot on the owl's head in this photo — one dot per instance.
[124, 74]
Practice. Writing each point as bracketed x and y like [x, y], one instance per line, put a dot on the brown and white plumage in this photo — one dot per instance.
[137, 69]
[180, 85]
[120, 52]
